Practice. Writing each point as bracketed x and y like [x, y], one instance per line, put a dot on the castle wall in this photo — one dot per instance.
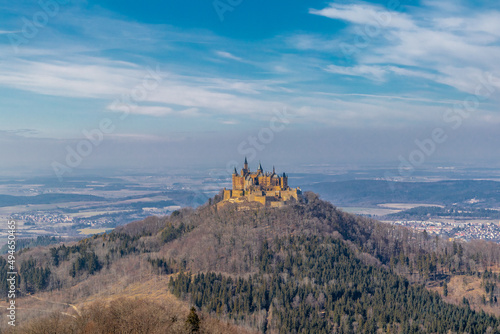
[273, 193]
[257, 198]
[286, 195]
[238, 193]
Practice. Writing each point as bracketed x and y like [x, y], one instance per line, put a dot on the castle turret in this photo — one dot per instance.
[245, 165]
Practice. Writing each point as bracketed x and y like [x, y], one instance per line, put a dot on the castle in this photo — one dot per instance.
[268, 189]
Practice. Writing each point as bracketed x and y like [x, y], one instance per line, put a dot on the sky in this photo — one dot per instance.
[163, 84]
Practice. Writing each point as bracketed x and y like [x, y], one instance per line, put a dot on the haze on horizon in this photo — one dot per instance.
[164, 84]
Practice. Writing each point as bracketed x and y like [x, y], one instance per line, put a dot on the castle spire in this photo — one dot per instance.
[260, 167]
[235, 172]
[274, 172]
[245, 165]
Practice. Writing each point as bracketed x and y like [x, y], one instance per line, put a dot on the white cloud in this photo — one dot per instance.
[426, 45]
[372, 72]
[230, 122]
[142, 110]
[312, 42]
[377, 73]
[366, 14]
[86, 77]
[281, 69]
[240, 86]
[444, 6]
[178, 93]
[22, 132]
[141, 137]
[228, 55]
[104, 79]
[439, 46]
[392, 97]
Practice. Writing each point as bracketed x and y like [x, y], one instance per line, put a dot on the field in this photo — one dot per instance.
[88, 214]
[90, 231]
[368, 211]
[383, 209]
[406, 206]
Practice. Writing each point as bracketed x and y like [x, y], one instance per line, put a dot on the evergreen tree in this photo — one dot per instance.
[193, 321]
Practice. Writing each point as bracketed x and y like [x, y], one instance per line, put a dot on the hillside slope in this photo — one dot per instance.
[304, 268]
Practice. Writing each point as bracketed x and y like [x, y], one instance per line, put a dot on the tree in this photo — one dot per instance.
[445, 289]
[193, 321]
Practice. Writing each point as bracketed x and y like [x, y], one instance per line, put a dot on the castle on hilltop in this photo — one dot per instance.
[268, 189]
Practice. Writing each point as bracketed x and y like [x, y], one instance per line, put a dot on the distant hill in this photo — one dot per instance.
[305, 268]
[372, 192]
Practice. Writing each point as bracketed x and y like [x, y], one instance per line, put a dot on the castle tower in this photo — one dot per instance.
[245, 169]
[284, 182]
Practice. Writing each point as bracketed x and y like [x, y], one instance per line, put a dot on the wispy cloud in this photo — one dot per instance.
[452, 50]
[422, 44]
[105, 79]
[366, 14]
[156, 111]
[22, 132]
[144, 137]
[230, 122]
[313, 42]
[376, 73]
[70, 75]
[227, 55]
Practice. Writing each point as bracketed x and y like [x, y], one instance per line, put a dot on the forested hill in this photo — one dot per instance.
[305, 268]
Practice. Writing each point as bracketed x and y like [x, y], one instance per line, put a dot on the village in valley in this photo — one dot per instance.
[466, 231]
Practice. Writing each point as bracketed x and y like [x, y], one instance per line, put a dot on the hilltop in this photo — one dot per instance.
[305, 267]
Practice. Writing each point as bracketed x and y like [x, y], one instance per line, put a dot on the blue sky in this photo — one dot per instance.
[361, 82]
